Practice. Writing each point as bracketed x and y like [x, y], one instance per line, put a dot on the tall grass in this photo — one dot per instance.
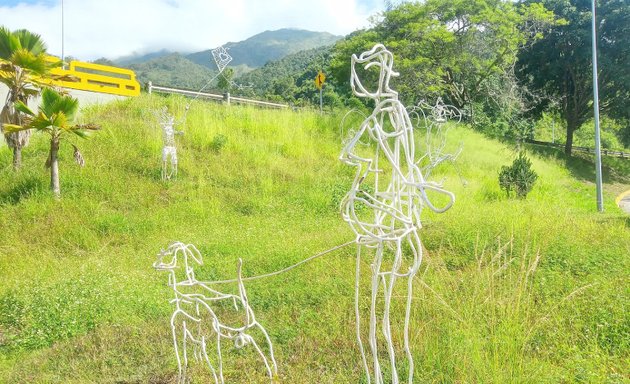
[511, 291]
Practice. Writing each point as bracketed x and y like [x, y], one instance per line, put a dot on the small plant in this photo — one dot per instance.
[519, 177]
[218, 142]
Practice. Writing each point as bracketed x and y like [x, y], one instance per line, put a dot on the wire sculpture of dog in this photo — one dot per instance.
[195, 319]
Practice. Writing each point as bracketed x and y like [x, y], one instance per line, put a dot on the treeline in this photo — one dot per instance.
[506, 64]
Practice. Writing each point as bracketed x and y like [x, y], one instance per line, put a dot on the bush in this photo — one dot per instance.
[218, 142]
[519, 177]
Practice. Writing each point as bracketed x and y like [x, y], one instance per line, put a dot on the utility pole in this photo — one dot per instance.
[598, 150]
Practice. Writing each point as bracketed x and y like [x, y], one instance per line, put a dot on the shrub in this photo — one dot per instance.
[218, 142]
[519, 177]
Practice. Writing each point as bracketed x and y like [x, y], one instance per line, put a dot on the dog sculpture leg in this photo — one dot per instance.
[180, 371]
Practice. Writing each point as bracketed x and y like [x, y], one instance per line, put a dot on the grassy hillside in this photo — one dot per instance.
[510, 291]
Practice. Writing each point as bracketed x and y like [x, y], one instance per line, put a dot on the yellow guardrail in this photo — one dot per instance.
[98, 78]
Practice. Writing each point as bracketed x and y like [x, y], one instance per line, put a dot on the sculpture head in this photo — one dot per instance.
[167, 258]
[376, 59]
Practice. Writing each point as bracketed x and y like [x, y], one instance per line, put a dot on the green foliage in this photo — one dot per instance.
[291, 79]
[225, 80]
[560, 65]
[518, 177]
[510, 291]
[218, 142]
[447, 48]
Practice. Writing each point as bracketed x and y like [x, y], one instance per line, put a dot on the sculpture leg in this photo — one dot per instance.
[376, 279]
[416, 249]
[388, 292]
[174, 164]
[205, 355]
[274, 366]
[263, 357]
[220, 358]
[184, 352]
[164, 166]
[357, 314]
[180, 372]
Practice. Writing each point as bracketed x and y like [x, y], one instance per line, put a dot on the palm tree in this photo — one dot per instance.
[23, 63]
[54, 117]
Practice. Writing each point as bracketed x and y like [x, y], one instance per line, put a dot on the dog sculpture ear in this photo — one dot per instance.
[194, 253]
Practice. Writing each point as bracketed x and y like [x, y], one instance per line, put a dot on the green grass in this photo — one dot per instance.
[511, 291]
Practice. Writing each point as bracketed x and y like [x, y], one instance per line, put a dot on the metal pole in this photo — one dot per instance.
[321, 104]
[63, 61]
[598, 152]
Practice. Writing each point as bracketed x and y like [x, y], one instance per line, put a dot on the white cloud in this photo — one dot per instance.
[114, 28]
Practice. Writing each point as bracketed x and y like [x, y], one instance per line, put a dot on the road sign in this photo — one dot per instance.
[319, 80]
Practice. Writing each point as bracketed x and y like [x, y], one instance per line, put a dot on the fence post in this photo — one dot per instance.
[150, 87]
[226, 98]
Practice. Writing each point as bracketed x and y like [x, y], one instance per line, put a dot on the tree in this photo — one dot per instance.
[449, 48]
[54, 117]
[560, 64]
[23, 64]
[225, 80]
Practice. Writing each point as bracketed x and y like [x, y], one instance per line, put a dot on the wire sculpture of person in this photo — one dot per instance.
[169, 150]
[383, 209]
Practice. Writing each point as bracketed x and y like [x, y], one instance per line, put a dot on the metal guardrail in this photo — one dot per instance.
[213, 96]
[605, 152]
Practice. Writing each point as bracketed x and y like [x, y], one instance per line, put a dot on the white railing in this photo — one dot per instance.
[226, 98]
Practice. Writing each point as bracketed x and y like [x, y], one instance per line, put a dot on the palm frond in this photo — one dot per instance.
[5, 43]
[22, 107]
[35, 63]
[88, 127]
[30, 41]
[60, 120]
[55, 103]
[12, 128]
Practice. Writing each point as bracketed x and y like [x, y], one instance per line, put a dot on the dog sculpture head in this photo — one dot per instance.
[167, 258]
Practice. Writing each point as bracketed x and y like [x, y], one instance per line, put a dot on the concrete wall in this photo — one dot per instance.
[85, 98]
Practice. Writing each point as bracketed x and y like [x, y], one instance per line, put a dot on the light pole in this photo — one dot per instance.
[63, 59]
[598, 150]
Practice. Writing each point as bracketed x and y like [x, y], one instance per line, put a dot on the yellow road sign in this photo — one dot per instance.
[319, 80]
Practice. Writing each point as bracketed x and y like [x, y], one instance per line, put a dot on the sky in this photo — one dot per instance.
[117, 28]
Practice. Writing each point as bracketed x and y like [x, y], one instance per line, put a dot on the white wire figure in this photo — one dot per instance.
[169, 150]
[435, 118]
[383, 209]
[195, 320]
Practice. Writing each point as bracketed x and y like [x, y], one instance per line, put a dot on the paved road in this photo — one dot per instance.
[624, 202]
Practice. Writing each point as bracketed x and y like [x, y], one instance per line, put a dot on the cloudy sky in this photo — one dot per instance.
[115, 28]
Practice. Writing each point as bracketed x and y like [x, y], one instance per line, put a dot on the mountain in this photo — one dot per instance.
[172, 70]
[259, 49]
[136, 59]
[192, 71]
